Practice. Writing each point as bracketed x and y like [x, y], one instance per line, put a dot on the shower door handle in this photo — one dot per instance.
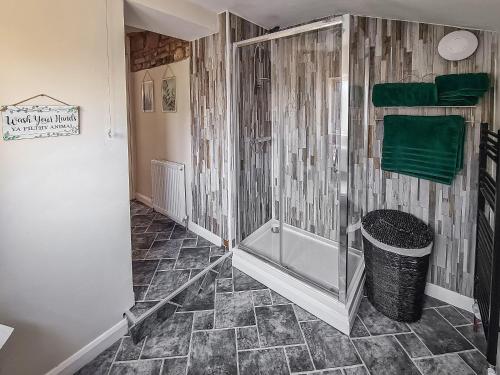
[336, 160]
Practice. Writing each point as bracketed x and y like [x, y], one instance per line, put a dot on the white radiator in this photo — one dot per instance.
[169, 189]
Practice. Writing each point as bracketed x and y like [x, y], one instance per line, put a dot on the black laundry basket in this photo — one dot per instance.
[397, 247]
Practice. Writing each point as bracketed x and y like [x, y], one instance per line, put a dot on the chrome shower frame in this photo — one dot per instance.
[342, 141]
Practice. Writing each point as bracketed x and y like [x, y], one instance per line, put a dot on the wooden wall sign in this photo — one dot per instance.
[39, 121]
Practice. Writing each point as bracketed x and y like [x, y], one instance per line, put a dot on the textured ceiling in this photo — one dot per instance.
[481, 14]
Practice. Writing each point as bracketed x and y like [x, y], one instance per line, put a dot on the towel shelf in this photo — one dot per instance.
[487, 265]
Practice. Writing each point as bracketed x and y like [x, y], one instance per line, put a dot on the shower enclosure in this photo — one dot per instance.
[296, 216]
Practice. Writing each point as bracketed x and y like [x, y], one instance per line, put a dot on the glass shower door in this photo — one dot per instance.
[258, 211]
[306, 110]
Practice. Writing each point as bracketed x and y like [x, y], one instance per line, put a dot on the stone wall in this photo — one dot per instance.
[148, 49]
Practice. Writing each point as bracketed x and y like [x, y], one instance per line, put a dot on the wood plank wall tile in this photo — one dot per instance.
[305, 100]
[393, 51]
[209, 126]
[396, 51]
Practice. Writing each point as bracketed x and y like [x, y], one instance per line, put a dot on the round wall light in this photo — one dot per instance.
[457, 45]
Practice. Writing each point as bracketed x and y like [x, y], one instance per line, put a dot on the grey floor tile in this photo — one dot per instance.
[467, 315]
[433, 302]
[262, 297]
[476, 361]
[278, 299]
[234, 310]
[224, 285]
[217, 250]
[413, 345]
[180, 232]
[160, 226]
[452, 315]
[303, 315]
[128, 350]
[162, 236]
[139, 254]
[142, 241]
[444, 364]
[166, 264]
[141, 220]
[247, 338]
[357, 370]
[102, 363]
[143, 271]
[329, 348]
[226, 269]
[376, 322]
[439, 335]
[140, 292]
[244, 282]
[189, 242]
[193, 257]
[139, 229]
[263, 362]
[164, 249]
[213, 353]
[384, 356]
[170, 338]
[175, 366]
[327, 372]
[149, 324]
[358, 329]
[298, 358]
[137, 368]
[203, 320]
[201, 294]
[278, 325]
[204, 242]
[476, 338]
[165, 282]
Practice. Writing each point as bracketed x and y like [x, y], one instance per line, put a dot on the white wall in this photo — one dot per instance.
[65, 264]
[159, 135]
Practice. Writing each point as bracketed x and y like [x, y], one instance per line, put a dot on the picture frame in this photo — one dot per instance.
[148, 101]
[169, 94]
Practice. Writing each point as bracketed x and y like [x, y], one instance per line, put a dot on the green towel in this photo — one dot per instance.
[458, 101]
[404, 94]
[467, 84]
[429, 147]
[434, 155]
[442, 180]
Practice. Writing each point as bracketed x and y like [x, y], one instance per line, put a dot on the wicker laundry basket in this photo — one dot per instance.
[397, 247]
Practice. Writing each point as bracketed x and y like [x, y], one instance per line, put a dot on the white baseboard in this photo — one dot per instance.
[200, 231]
[144, 199]
[86, 354]
[449, 296]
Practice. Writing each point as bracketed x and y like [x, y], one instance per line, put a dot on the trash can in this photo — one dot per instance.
[397, 246]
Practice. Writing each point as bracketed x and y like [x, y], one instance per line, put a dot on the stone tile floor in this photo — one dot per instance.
[164, 255]
[245, 328]
[231, 324]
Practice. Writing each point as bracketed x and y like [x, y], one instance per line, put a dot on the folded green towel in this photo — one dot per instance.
[404, 94]
[454, 84]
[429, 147]
[458, 101]
[442, 180]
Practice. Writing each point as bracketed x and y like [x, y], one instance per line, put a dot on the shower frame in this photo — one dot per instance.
[342, 141]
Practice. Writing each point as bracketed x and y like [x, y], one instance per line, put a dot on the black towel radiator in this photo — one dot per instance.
[487, 267]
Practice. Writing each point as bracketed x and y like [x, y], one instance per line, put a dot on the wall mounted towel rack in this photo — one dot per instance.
[487, 267]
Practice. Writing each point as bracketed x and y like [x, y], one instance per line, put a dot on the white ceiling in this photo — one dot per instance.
[178, 18]
[481, 14]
